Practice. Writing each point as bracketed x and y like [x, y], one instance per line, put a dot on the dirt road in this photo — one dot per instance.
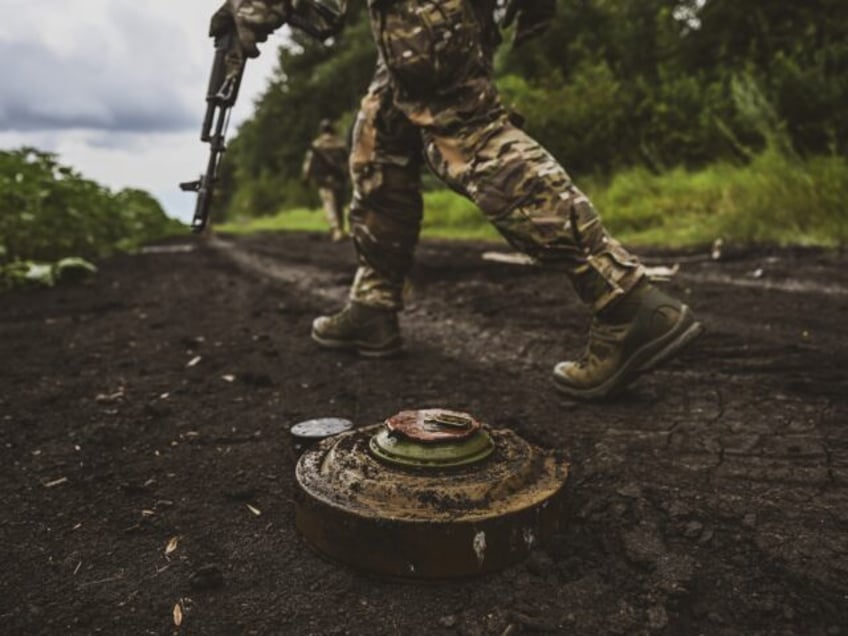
[144, 461]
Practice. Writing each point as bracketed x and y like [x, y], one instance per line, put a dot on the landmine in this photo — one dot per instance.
[428, 494]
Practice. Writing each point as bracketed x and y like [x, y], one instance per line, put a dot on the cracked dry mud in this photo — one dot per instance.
[154, 403]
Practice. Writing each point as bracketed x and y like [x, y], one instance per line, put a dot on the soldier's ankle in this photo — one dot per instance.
[625, 308]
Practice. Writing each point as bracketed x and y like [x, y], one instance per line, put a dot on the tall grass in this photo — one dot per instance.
[446, 215]
[295, 220]
[776, 198]
[449, 215]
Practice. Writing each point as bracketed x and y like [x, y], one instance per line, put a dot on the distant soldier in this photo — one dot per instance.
[325, 165]
[433, 96]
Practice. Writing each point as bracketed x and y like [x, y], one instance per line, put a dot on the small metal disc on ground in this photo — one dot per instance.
[428, 494]
[310, 432]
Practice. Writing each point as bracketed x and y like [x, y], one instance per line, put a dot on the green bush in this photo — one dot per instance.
[48, 211]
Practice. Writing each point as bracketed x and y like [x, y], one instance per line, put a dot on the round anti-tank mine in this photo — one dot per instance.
[428, 494]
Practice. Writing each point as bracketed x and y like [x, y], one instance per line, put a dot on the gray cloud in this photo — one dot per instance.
[116, 88]
[129, 86]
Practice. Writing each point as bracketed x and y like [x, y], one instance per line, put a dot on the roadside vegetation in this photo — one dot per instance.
[52, 220]
[773, 199]
[684, 120]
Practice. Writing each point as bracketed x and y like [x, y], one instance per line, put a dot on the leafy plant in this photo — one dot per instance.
[49, 212]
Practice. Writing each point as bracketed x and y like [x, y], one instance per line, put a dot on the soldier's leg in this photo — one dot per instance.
[471, 145]
[385, 219]
[442, 82]
[329, 205]
[338, 210]
[385, 213]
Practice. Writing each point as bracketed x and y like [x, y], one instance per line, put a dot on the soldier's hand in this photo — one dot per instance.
[531, 17]
[253, 21]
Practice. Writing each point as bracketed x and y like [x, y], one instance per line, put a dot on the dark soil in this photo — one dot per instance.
[154, 403]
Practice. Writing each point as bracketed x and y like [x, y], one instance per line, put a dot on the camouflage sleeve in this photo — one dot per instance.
[254, 21]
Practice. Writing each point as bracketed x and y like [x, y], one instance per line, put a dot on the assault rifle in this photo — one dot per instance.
[221, 96]
[320, 19]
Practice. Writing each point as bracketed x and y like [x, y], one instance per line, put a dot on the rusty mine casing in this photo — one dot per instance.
[429, 494]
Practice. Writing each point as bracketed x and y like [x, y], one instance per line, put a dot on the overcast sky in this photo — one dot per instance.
[116, 87]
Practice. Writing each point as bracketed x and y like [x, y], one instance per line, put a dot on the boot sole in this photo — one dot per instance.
[645, 359]
[366, 351]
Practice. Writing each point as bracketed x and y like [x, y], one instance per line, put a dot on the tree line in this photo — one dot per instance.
[612, 85]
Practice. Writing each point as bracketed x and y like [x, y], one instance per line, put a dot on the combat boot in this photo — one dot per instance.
[638, 333]
[370, 331]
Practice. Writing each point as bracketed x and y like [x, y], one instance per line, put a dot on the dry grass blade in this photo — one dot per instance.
[178, 614]
[172, 545]
[56, 482]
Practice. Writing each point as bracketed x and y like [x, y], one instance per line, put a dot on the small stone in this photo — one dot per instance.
[630, 490]
[749, 520]
[706, 536]
[448, 621]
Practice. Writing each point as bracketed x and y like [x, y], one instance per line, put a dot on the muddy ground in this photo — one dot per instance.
[154, 403]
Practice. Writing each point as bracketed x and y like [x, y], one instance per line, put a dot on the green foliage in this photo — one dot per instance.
[296, 219]
[49, 212]
[628, 87]
[446, 215]
[449, 215]
[36, 274]
[775, 199]
[577, 119]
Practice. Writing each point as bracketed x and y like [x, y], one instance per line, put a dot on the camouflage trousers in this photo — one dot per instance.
[433, 98]
[332, 201]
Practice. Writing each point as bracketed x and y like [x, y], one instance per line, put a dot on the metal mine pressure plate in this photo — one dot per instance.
[428, 494]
